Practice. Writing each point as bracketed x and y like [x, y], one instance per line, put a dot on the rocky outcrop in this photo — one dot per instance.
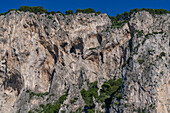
[42, 57]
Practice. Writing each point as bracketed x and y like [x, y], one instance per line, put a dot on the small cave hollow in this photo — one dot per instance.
[56, 53]
[101, 55]
[99, 38]
[77, 44]
[73, 50]
[63, 45]
[15, 81]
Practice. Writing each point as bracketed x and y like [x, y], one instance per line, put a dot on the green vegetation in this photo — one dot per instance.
[162, 54]
[118, 24]
[69, 12]
[161, 32]
[116, 103]
[79, 110]
[140, 110]
[110, 89]
[119, 20]
[52, 108]
[141, 61]
[8, 12]
[126, 15]
[74, 100]
[139, 33]
[39, 9]
[50, 17]
[32, 94]
[89, 94]
[30, 111]
[150, 51]
[147, 36]
[94, 48]
[98, 12]
[88, 10]
[34, 9]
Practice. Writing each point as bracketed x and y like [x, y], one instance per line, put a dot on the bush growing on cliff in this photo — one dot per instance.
[69, 12]
[123, 16]
[89, 94]
[121, 19]
[52, 108]
[126, 15]
[52, 12]
[8, 11]
[34, 9]
[141, 61]
[162, 54]
[98, 12]
[110, 89]
[88, 10]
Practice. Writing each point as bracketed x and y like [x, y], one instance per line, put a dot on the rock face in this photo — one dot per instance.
[44, 56]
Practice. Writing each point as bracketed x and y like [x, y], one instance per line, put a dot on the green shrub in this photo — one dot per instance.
[52, 12]
[144, 40]
[53, 108]
[30, 111]
[60, 13]
[69, 12]
[121, 19]
[50, 17]
[34, 9]
[8, 11]
[118, 24]
[141, 61]
[90, 111]
[106, 87]
[74, 100]
[98, 12]
[32, 94]
[162, 54]
[89, 94]
[94, 48]
[88, 10]
[116, 103]
[28, 91]
[110, 89]
[139, 33]
[146, 37]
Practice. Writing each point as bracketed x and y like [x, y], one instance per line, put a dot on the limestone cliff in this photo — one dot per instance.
[43, 57]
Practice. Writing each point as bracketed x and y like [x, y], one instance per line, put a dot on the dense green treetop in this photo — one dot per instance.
[69, 12]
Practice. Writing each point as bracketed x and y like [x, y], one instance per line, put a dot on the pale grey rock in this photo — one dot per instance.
[56, 53]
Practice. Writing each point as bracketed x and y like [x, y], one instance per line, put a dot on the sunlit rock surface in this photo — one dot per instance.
[56, 53]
